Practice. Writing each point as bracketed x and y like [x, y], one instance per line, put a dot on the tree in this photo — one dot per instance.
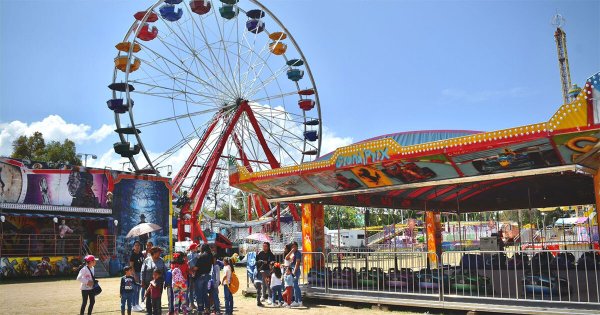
[65, 152]
[348, 217]
[34, 148]
[30, 148]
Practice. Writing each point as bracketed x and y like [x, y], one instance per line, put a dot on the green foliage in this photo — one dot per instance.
[30, 148]
[35, 148]
[348, 217]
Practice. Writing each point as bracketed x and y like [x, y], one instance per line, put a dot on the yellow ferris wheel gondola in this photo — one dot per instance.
[121, 64]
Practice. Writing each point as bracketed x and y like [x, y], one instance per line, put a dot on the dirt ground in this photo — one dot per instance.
[64, 297]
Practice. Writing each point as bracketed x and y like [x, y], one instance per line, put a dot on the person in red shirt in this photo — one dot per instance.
[154, 293]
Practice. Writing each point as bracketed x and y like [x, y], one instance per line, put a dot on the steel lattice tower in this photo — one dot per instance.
[563, 59]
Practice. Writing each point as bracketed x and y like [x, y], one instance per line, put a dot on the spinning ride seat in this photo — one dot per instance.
[117, 106]
[311, 135]
[563, 261]
[146, 33]
[200, 6]
[319, 277]
[545, 287]
[495, 261]
[518, 261]
[151, 18]
[470, 284]
[121, 64]
[124, 149]
[228, 11]
[167, 12]
[541, 262]
[589, 261]
[403, 278]
[125, 46]
[306, 104]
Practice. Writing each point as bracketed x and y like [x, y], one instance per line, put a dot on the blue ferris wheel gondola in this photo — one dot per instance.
[295, 74]
[311, 135]
[168, 13]
[255, 26]
[173, 1]
[117, 106]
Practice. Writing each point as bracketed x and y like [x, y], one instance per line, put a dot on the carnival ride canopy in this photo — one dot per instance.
[539, 165]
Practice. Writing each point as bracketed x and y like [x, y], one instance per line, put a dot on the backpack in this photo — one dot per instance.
[235, 283]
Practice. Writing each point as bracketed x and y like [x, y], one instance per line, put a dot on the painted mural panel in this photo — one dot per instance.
[328, 181]
[37, 183]
[292, 185]
[572, 146]
[526, 155]
[371, 176]
[137, 201]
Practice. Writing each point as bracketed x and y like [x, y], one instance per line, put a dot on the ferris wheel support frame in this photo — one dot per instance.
[202, 185]
[189, 163]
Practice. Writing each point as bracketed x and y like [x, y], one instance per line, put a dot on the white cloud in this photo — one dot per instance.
[330, 141]
[54, 128]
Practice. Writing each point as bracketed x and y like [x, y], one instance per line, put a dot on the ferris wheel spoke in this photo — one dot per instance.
[253, 59]
[168, 119]
[274, 75]
[212, 53]
[179, 82]
[152, 86]
[194, 54]
[274, 97]
[225, 50]
[165, 60]
[275, 142]
[170, 46]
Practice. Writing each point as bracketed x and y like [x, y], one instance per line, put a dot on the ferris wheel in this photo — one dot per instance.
[212, 81]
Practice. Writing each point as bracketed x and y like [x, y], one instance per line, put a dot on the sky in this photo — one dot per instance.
[379, 66]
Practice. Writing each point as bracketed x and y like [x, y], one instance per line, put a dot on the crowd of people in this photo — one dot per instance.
[275, 283]
[192, 280]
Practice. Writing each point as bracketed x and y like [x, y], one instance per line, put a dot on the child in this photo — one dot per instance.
[126, 292]
[288, 280]
[154, 292]
[276, 285]
[228, 269]
[179, 272]
[168, 280]
[258, 282]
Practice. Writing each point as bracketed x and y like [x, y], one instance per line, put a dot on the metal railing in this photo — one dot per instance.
[391, 272]
[32, 245]
[564, 276]
[542, 275]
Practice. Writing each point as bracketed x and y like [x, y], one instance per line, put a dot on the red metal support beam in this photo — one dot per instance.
[243, 156]
[261, 138]
[200, 189]
[189, 163]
